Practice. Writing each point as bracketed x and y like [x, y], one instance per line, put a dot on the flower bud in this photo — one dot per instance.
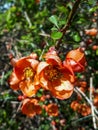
[76, 59]
[91, 32]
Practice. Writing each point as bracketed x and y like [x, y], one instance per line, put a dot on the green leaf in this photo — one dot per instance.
[54, 29]
[97, 52]
[81, 20]
[53, 19]
[22, 2]
[8, 16]
[76, 37]
[56, 35]
[93, 9]
[62, 9]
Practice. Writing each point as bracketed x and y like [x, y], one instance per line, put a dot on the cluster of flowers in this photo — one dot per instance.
[78, 105]
[83, 109]
[29, 75]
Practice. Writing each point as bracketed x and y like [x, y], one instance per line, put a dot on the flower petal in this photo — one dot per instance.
[28, 88]
[27, 108]
[68, 73]
[13, 81]
[30, 107]
[76, 59]
[53, 60]
[65, 85]
[62, 94]
[23, 63]
[41, 66]
[63, 90]
[33, 62]
[20, 66]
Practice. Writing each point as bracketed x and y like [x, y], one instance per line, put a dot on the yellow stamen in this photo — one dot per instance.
[28, 72]
[52, 73]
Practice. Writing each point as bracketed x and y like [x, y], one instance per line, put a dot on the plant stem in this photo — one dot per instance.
[92, 108]
[27, 18]
[71, 15]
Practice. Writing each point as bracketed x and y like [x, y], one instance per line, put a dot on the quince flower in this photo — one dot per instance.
[24, 77]
[52, 109]
[30, 107]
[54, 77]
[76, 59]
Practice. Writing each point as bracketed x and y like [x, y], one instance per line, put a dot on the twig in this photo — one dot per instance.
[46, 36]
[92, 108]
[2, 78]
[43, 50]
[77, 90]
[81, 119]
[71, 15]
[27, 18]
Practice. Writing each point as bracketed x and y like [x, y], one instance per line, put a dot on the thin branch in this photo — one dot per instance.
[2, 78]
[77, 90]
[43, 50]
[92, 108]
[27, 18]
[44, 34]
[81, 119]
[71, 15]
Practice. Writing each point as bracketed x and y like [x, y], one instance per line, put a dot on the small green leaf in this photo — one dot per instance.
[76, 37]
[54, 29]
[53, 19]
[97, 52]
[56, 35]
[93, 9]
[62, 9]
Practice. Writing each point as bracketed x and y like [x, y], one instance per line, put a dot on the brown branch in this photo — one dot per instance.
[71, 15]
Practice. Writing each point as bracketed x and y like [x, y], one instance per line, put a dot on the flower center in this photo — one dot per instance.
[28, 72]
[52, 73]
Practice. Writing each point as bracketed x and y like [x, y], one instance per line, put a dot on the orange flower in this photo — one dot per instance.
[76, 59]
[94, 47]
[30, 107]
[24, 77]
[52, 109]
[74, 105]
[83, 84]
[43, 98]
[83, 89]
[13, 81]
[95, 100]
[84, 110]
[37, 1]
[91, 32]
[56, 78]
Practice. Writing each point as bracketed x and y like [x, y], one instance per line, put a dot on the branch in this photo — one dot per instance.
[92, 108]
[77, 90]
[71, 15]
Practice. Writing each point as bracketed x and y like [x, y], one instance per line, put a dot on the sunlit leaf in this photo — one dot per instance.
[56, 35]
[53, 19]
[76, 37]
